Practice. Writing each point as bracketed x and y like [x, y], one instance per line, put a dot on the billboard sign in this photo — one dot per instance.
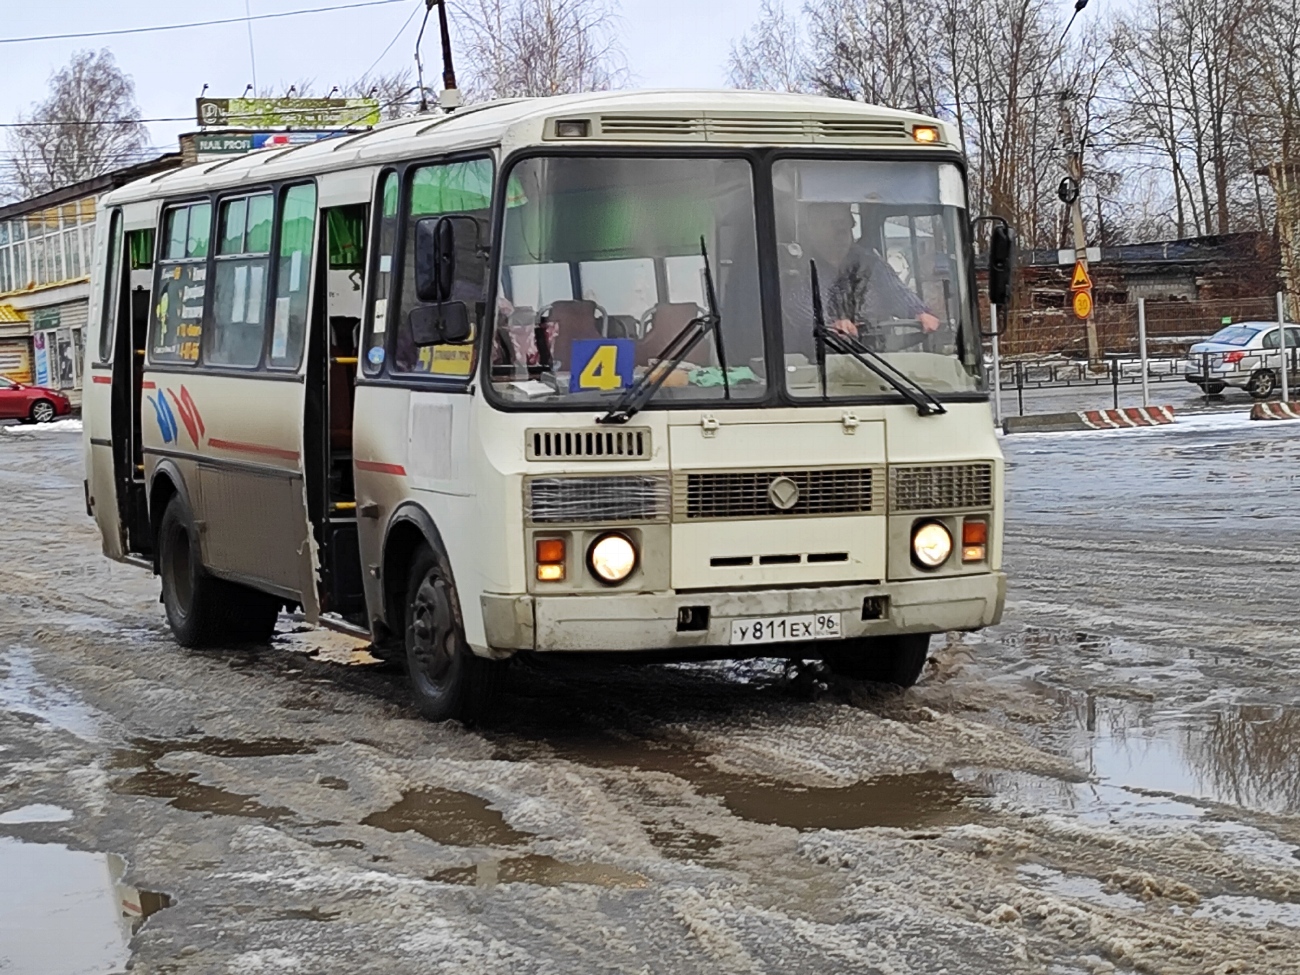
[235, 143]
[271, 113]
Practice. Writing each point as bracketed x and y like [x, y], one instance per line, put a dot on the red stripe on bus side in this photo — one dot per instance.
[103, 380]
[148, 385]
[253, 448]
[375, 467]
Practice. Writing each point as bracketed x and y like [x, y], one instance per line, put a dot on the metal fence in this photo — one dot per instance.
[1140, 346]
[1171, 326]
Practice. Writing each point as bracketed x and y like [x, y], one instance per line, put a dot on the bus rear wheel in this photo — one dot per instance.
[203, 610]
[896, 660]
[448, 681]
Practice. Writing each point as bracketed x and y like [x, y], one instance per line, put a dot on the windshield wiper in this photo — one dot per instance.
[925, 401]
[636, 396]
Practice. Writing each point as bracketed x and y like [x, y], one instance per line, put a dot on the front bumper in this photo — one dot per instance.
[632, 622]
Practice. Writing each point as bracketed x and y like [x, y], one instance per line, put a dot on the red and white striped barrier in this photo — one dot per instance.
[1275, 411]
[1133, 416]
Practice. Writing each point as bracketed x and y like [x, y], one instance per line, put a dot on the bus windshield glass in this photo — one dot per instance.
[888, 239]
[603, 263]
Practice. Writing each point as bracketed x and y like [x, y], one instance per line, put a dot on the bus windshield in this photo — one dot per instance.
[889, 240]
[602, 266]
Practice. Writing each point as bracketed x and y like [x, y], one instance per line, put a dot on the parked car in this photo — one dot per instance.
[31, 404]
[1246, 355]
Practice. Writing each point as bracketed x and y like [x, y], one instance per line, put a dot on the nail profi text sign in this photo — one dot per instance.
[267, 113]
[233, 143]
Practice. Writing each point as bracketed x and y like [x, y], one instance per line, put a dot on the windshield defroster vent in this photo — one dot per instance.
[622, 444]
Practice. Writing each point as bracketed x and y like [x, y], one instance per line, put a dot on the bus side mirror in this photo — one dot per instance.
[1001, 247]
[441, 323]
[435, 258]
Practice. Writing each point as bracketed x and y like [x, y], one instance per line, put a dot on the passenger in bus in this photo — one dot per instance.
[859, 287]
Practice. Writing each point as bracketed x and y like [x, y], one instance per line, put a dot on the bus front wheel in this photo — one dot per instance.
[895, 660]
[203, 610]
[448, 681]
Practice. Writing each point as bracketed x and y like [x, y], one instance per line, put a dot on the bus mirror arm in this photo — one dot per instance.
[440, 323]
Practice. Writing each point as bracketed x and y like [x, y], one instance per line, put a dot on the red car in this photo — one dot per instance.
[31, 404]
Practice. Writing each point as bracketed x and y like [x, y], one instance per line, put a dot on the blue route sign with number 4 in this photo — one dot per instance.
[602, 364]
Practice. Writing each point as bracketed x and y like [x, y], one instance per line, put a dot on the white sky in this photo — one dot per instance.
[669, 43]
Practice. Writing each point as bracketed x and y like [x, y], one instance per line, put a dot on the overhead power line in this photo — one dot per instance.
[198, 23]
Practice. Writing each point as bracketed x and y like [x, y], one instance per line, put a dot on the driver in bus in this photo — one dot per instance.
[859, 287]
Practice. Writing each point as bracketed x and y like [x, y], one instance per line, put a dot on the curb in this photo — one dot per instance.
[1122, 419]
[1275, 411]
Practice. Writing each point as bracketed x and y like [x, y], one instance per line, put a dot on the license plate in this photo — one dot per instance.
[781, 629]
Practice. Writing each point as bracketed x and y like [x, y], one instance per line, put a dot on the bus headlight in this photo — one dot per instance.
[612, 558]
[931, 544]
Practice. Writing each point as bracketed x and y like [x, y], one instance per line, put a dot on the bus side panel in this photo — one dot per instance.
[245, 435]
[379, 449]
[97, 412]
[441, 469]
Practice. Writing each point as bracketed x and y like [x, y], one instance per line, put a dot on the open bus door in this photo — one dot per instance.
[327, 431]
[113, 398]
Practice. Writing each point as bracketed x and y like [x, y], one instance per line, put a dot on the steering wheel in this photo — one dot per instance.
[877, 336]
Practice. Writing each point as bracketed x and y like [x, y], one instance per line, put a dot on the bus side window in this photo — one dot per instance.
[386, 245]
[465, 190]
[292, 276]
[243, 261]
[112, 288]
[182, 284]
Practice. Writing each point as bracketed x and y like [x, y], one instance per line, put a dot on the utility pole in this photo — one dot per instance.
[1074, 169]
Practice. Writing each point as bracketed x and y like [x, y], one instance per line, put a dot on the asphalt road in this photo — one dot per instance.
[1106, 782]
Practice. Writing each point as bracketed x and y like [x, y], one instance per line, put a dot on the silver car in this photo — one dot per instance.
[1246, 355]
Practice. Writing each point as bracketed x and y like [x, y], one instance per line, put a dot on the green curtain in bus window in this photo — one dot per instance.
[140, 244]
[347, 236]
[452, 188]
[293, 276]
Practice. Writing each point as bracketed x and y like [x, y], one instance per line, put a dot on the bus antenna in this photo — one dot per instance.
[449, 99]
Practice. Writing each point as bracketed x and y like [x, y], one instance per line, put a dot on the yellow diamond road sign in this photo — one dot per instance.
[1080, 281]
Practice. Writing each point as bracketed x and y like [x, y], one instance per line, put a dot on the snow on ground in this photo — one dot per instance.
[70, 425]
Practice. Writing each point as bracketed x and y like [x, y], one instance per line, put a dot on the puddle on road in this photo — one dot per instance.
[1255, 912]
[180, 788]
[461, 819]
[451, 818]
[537, 869]
[24, 690]
[65, 912]
[35, 813]
[905, 801]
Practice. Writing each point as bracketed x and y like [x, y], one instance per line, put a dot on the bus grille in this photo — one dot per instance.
[595, 500]
[940, 487]
[621, 444]
[746, 494]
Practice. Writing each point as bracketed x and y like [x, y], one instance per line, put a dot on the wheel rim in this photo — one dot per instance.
[43, 412]
[178, 567]
[1264, 383]
[433, 636]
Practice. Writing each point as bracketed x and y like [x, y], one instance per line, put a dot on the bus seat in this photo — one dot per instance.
[571, 321]
[666, 321]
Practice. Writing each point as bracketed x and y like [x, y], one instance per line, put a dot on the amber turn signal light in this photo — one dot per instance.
[974, 541]
[925, 133]
[550, 560]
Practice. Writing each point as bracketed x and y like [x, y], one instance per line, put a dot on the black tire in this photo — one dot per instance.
[203, 610]
[448, 681]
[1262, 383]
[42, 411]
[895, 660]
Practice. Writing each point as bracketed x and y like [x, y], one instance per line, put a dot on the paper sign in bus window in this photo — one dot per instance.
[602, 364]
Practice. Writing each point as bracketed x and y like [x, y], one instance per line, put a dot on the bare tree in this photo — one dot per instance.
[88, 125]
[879, 51]
[772, 54]
[526, 48]
[395, 91]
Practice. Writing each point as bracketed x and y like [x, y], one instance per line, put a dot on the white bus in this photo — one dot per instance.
[690, 374]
